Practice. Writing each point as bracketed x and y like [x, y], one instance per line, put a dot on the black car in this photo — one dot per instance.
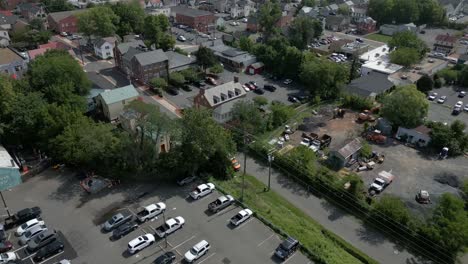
[259, 91]
[287, 248]
[199, 84]
[186, 87]
[293, 99]
[269, 87]
[27, 214]
[303, 98]
[165, 258]
[124, 229]
[173, 91]
[49, 250]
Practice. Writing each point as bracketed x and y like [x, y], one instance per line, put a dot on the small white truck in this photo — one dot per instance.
[220, 203]
[383, 179]
[150, 211]
[170, 226]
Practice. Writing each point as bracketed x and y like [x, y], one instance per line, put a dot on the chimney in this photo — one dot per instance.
[236, 79]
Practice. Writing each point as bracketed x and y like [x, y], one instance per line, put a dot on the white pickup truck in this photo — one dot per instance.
[382, 181]
[170, 226]
[150, 211]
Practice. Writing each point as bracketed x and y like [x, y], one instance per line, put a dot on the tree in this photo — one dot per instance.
[260, 100]
[451, 137]
[366, 150]
[248, 118]
[449, 75]
[166, 42]
[190, 74]
[217, 69]
[393, 208]
[158, 83]
[30, 38]
[131, 18]
[425, 83]
[323, 78]
[246, 44]
[269, 15]
[354, 186]
[155, 31]
[302, 30]
[405, 106]
[406, 11]
[344, 10]
[280, 113]
[463, 76]
[205, 57]
[404, 56]
[57, 5]
[98, 21]
[304, 158]
[37, 24]
[408, 39]
[290, 62]
[309, 3]
[176, 79]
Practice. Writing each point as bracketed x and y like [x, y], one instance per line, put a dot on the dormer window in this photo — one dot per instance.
[216, 99]
[223, 96]
[237, 91]
[230, 94]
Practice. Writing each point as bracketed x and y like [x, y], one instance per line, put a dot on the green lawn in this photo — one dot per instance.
[379, 37]
[292, 220]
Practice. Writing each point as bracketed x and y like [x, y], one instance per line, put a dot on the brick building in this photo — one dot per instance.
[65, 21]
[31, 11]
[199, 20]
[444, 43]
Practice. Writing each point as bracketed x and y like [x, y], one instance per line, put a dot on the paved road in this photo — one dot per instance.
[349, 228]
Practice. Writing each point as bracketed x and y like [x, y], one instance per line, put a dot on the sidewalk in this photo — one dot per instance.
[334, 219]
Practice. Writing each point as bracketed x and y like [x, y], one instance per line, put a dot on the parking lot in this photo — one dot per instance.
[443, 112]
[79, 216]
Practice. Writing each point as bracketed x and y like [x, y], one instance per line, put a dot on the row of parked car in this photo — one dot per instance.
[33, 234]
[457, 108]
[253, 86]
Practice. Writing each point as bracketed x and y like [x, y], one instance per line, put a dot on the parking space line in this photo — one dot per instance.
[131, 211]
[20, 248]
[185, 241]
[289, 258]
[212, 254]
[144, 231]
[152, 228]
[261, 243]
[243, 224]
[51, 257]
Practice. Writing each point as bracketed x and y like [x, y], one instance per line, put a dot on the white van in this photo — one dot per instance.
[197, 251]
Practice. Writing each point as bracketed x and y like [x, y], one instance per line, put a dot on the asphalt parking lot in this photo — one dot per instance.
[79, 216]
[443, 112]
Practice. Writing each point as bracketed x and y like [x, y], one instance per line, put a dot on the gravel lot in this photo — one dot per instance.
[443, 112]
[78, 215]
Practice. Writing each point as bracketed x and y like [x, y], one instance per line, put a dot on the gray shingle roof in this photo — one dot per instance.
[8, 19]
[177, 60]
[349, 149]
[372, 84]
[150, 57]
[119, 94]
[123, 47]
[57, 16]
[223, 93]
[99, 42]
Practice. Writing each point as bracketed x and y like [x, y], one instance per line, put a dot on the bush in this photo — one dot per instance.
[366, 150]
[356, 102]
[158, 83]
[180, 51]
[190, 74]
[260, 100]
[217, 69]
[176, 79]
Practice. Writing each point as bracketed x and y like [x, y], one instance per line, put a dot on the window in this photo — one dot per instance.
[108, 53]
[107, 47]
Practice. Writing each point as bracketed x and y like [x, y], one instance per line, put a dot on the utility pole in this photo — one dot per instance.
[4, 204]
[165, 236]
[270, 159]
[245, 166]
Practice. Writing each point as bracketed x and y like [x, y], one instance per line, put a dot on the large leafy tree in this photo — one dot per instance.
[425, 83]
[131, 17]
[452, 137]
[405, 106]
[391, 207]
[268, 16]
[408, 39]
[463, 76]
[205, 57]
[404, 56]
[323, 78]
[155, 31]
[246, 44]
[247, 116]
[302, 30]
[98, 21]
[406, 11]
[57, 5]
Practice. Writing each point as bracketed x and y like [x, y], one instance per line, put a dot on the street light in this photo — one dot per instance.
[270, 159]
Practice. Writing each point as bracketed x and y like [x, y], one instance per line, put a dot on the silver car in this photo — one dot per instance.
[35, 231]
[42, 240]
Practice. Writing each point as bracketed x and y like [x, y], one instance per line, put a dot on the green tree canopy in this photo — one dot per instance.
[98, 21]
[425, 83]
[451, 137]
[190, 74]
[176, 79]
[247, 116]
[302, 30]
[205, 57]
[463, 76]
[323, 78]
[407, 11]
[131, 16]
[280, 113]
[391, 207]
[158, 83]
[405, 106]
[246, 44]
[404, 56]
[57, 5]
[217, 69]
[156, 32]
[269, 15]
[408, 39]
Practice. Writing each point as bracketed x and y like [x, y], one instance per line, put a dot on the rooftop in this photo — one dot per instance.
[57, 16]
[8, 56]
[375, 54]
[119, 94]
[382, 66]
[370, 85]
[123, 47]
[422, 129]
[223, 93]
[446, 38]
[427, 66]
[191, 12]
[5, 159]
[7, 19]
[349, 149]
[101, 41]
[151, 57]
[177, 60]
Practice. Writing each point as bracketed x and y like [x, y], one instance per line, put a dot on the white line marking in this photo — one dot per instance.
[152, 228]
[185, 241]
[52, 257]
[261, 243]
[290, 258]
[207, 258]
[244, 223]
[20, 248]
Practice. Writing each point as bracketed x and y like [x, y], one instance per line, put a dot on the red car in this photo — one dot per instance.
[5, 246]
[251, 86]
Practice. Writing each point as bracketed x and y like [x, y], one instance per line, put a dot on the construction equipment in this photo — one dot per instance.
[325, 141]
[376, 137]
[422, 197]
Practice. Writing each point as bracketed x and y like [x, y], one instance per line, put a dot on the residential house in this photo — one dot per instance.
[151, 4]
[220, 99]
[104, 47]
[347, 154]
[4, 38]
[337, 23]
[124, 52]
[148, 65]
[10, 175]
[12, 63]
[129, 121]
[45, 47]
[369, 85]
[91, 99]
[390, 29]
[329, 10]
[7, 20]
[366, 26]
[159, 11]
[240, 9]
[65, 21]
[232, 58]
[179, 62]
[444, 43]
[255, 68]
[419, 136]
[358, 13]
[199, 20]
[307, 11]
[30, 11]
[112, 102]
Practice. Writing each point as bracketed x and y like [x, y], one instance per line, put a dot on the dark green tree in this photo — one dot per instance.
[280, 113]
[425, 83]
[391, 207]
[268, 16]
[302, 30]
[176, 79]
[463, 76]
[404, 56]
[131, 16]
[205, 57]
[246, 44]
[323, 78]
[98, 21]
[57, 5]
[408, 39]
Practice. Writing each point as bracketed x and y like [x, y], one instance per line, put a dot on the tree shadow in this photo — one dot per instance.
[370, 235]
[335, 212]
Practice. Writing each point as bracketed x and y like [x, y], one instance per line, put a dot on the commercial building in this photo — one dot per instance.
[113, 102]
[66, 21]
[444, 43]
[369, 85]
[231, 58]
[9, 171]
[199, 20]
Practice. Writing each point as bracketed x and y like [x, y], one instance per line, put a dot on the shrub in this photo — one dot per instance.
[356, 102]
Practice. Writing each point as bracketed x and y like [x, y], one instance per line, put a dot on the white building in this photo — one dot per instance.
[113, 102]
[4, 38]
[104, 48]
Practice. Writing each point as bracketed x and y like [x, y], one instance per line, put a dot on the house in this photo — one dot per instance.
[91, 99]
[112, 102]
[444, 43]
[151, 4]
[255, 68]
[220, 99]
[419, 136]
[12, 63]
[45, 47]
[240, 9]
[370, 85]
[30, 11]
[7, 20]
[347, 153]
[4, 38]
[231, 58]
[199, 20]
[124, 52]
[366, 26]
[390, 29]
[329, 10]
[179, 62]
[148, 65]
[129, 121]
[166, 11]
[10, 175]
[104, 47]
[65, 21]
[10, 4]
[336, 23]
[307, 11]
[358, 14]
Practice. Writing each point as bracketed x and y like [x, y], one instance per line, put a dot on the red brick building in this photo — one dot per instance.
[283, 22]
[199, 20]
[66, 21]
[366, 26]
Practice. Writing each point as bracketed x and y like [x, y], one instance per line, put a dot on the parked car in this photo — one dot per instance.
[124, 229]
[63, 34]
[293, 99]
[259, 91]
[181, 38]
[241, 217]
[383, 179]
[117, 220]
[49, 250]
[7, 257]
[211, 80]
[465, 108]
[461, 94]
[28, 225]
[140, 243]
[442, 99]
[166, 258]
[173, 91]
[456, 110]
[199, 84]
[287, 248]
[220, 203]
[186, 180]
[42, 240]
[287, 81]
[32, 233]
[5, 246]
[250, 86]
[202, 190]
[254, 84]
[459, 104]
[269, 87]
[170, 226]
[432, 96]
[23, 216]
[150, 211]
[197, 251]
